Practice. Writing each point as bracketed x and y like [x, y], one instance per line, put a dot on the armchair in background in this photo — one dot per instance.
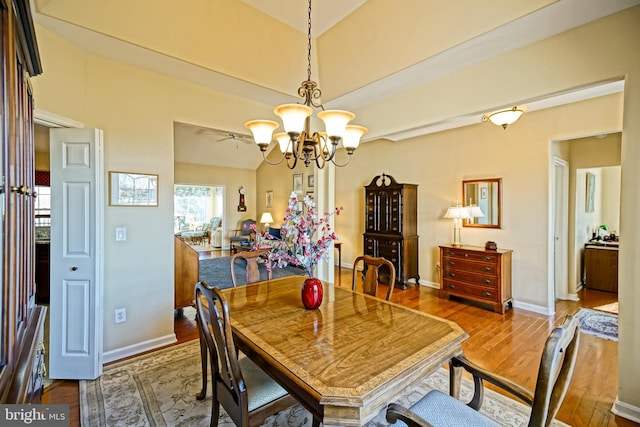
[242, 236]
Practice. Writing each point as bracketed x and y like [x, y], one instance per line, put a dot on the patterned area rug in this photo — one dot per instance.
[217, 271]
[159, 389]
[598, 323]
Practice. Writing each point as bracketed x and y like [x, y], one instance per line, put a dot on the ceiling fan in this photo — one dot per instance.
[223, 136]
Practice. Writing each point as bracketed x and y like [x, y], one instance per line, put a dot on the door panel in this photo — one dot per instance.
[77, 204]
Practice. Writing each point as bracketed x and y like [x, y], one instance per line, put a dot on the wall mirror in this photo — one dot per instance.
[485, 194]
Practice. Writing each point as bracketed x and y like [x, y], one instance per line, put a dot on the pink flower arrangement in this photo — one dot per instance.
[307, 237]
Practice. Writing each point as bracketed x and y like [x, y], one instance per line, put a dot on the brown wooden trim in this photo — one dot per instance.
[27, 36]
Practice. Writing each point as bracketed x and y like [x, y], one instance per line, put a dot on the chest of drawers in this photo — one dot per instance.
[474, 273]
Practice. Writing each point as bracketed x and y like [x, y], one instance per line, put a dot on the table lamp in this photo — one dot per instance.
[457, 213]
[266, 219]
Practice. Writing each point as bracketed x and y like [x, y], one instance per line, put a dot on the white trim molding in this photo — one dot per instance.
[626, 410]
[138, 348]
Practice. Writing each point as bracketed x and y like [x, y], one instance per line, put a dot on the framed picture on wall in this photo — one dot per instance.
[311, 181]
[269, 199]
[297, 182]
[591, 189]
[133, 189]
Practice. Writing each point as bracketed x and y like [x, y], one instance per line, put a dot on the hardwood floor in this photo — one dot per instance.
[509, 345]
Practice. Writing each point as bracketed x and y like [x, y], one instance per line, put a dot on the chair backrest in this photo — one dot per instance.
[215, 222]
[228, 383]
[371, 271]
[251, 258]
[245, 227]
[556, 367]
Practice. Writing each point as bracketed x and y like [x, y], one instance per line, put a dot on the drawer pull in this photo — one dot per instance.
[452, 286]
[486, 294]
[451, 263]
[41, 349]
[486, 268]
[451, 253]
[466, 255]
[452, 274]
[486, 258]
[486, 281]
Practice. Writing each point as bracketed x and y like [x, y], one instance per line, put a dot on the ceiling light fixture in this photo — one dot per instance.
[505, 117]
[298, 142]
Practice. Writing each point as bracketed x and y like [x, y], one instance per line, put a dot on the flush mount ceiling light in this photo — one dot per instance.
[297, 142]
[505, 117]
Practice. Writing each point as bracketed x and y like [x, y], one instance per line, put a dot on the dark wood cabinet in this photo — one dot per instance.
[472, 272]
[601, 268]
[391, 225]
[21, 332]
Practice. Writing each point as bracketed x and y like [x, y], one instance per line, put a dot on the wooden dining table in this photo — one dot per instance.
[346, 360]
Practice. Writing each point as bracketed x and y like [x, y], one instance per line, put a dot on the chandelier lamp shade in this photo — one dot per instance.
[505, 117]
[298, 142]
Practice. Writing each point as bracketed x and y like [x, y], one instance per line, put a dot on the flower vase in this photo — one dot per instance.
[312, 293]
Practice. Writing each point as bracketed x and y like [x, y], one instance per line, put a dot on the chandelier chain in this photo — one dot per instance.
[309, 43]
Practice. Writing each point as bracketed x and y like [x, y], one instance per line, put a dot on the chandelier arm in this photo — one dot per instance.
[264, 157]
[342, 164]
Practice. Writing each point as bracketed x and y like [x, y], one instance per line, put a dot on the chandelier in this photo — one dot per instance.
[297, 142]
[505, 117]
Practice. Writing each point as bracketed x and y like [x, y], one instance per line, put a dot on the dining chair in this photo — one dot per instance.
[244, 390]
[252, 270]
[556, 367]
[371, 274]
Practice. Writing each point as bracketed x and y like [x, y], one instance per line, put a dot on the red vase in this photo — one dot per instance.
[311, 293]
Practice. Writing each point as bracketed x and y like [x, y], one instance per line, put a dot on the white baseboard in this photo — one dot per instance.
[534, 308]
[138, 348]
[429, 284]
[626, 410]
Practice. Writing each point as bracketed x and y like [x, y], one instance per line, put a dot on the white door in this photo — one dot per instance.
[77, 199]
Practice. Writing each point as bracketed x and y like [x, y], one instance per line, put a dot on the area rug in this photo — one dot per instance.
[217, 271]
[598, 323]
[609, 308]
[159, 389]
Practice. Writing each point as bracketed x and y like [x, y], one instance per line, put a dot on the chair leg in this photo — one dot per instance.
[215, 413]
[204, 352]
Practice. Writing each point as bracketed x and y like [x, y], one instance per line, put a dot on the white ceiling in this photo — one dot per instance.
[324, 13]
[558, 17]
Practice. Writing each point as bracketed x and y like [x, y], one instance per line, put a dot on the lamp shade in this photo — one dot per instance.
[266, 218]
[284, 142]
[335, 121]
[505, 117]
[352, 135]
[475, 212]
[262, 131]
[458, 212]
[293, 116]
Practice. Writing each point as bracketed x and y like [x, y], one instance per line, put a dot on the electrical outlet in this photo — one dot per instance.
[120, 315]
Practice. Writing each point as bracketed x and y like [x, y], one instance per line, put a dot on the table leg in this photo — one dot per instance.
[455, 379]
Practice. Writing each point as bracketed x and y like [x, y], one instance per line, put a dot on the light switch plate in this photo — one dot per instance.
[121, 234]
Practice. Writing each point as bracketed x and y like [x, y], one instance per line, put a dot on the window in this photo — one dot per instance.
[43, 205]
[195, 205]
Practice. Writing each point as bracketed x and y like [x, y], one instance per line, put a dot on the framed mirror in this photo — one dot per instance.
[486, 195]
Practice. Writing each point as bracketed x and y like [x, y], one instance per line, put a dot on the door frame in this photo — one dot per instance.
[559, 233]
